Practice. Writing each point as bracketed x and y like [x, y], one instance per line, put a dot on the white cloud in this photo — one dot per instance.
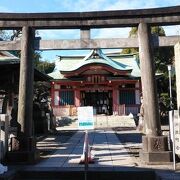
[75, 34]
[111, 33]
[59, 34]
[82, 5]
[100, 5]
[172, 30]
[4, 9]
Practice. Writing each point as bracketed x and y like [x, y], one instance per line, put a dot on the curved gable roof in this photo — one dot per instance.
[96, 57]
[68, 66]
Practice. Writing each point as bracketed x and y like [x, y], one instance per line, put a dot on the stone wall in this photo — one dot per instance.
[65, 111]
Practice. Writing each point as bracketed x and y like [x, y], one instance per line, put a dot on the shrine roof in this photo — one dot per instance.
[8, 58]
[69, 64]
[95, 57]
[10, 64]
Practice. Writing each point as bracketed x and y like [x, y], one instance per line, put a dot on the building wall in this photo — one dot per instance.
[67, 105]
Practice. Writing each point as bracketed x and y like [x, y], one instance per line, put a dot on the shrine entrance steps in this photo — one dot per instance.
[73, 174]
[100, 121]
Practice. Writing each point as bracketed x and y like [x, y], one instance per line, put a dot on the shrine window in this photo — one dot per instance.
[63, 98]
[66, 98]
[127, 97]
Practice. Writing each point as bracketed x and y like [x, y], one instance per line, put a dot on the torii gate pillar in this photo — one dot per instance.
[177, 66]
[155, 146]
[26, 150]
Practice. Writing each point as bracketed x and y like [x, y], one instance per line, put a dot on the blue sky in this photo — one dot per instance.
[31, 6]
[80, 5]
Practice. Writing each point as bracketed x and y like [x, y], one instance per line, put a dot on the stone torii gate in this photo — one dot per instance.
[154, 144]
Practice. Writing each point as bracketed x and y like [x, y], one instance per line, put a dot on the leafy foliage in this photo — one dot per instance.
[162, 57]
[156, 30]
[132, 34]
[45, 66]
[41, 90]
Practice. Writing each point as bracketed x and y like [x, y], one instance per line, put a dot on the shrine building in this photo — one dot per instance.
[110, 82]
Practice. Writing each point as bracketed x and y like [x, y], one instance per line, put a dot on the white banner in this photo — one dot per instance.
[85, 118]
[176, 132]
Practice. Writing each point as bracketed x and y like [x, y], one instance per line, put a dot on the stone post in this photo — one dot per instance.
[4, 119]
[25, 141]
[150, 101]
[85, 34]
[177, 66]
[25, 103]
[155, 146]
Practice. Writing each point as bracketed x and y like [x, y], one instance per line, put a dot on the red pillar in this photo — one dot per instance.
[77, 98]
[115, 100]
[52, 94]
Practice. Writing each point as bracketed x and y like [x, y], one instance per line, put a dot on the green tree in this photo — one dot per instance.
[16, 35]
[45, 66]
[162, 57]
[156, 30]
[132, 34]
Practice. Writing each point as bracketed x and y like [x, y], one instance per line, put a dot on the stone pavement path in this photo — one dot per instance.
[108, 151]
[115, 150]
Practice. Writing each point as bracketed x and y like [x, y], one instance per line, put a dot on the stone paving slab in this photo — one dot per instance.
[109, 155]
[106, 149]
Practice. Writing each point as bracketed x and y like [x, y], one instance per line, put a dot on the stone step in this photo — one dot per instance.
[71, 174]
[100, 121]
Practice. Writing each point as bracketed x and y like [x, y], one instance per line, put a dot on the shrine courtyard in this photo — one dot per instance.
[115, 151]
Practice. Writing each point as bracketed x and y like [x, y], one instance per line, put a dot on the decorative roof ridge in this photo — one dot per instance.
[118, 53]
[98, 52]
